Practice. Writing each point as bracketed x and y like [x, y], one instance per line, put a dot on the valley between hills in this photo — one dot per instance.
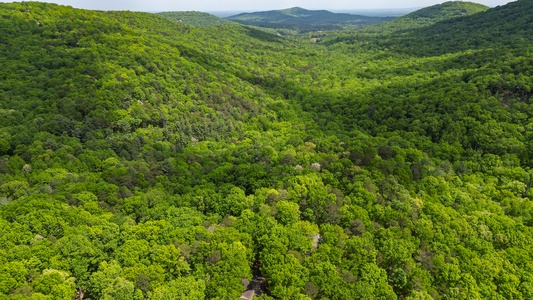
[183, 156]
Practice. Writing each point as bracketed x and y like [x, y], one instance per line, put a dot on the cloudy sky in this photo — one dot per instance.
[240, 5]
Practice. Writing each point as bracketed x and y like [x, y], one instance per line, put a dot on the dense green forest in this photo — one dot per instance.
[433, 14]
[144, 158]
[195, 18]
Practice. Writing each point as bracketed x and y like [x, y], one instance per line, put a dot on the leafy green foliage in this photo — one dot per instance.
[195, 18]
[408, 31]
[502, 26]
[143, 158]
[433, 14]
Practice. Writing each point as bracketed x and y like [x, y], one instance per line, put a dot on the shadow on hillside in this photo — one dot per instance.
[263, 36]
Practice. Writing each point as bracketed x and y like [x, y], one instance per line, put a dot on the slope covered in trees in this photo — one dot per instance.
[508, 25]
[195, 18]
[404, 28]
[433, 14]
[142, 158]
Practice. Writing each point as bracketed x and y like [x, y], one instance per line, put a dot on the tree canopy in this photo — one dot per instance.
[144, 158]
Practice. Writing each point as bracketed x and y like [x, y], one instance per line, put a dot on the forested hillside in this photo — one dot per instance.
[433, 14]
[503, 26]
[404, 29]
[195, 18]
[143, 158]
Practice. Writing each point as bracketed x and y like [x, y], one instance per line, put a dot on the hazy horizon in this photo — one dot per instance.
[241, 6]
[376, 12]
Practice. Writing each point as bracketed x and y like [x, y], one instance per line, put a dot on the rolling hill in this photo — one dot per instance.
[144, 158]
[500, 26]
[303, 20]
[433, 14]
[195, 18]
[402, 28]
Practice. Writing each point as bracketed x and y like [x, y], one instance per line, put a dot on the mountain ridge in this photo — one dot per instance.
[447, 10]
[479, 30]
[303, 20]
[436, 13]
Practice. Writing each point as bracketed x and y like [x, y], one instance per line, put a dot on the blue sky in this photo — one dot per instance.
[240, 5]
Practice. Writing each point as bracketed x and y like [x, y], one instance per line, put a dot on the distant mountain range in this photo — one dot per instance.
[301, 20]
[304, 20]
